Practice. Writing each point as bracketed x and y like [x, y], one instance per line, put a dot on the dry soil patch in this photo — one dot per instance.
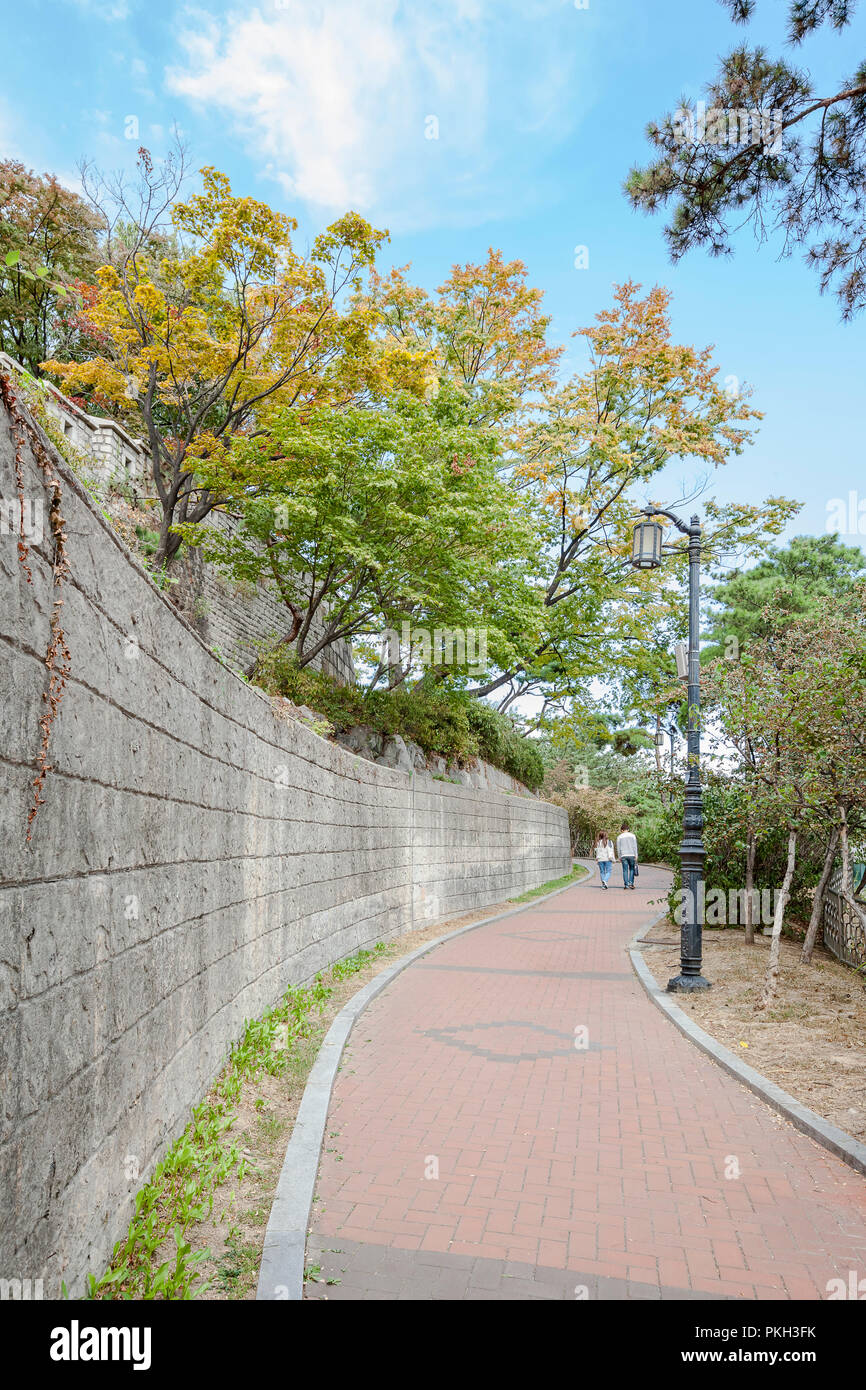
[812, 1042]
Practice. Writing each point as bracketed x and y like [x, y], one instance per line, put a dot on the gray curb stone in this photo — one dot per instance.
[281, 1275]
[843, 1145]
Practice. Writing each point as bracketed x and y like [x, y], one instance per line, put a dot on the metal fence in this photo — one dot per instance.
[844, 933]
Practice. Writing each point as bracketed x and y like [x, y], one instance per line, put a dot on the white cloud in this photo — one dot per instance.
[327, 93]
[333, 95]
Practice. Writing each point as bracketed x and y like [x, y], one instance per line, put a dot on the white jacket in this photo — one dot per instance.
[626, 845]
[605, 852]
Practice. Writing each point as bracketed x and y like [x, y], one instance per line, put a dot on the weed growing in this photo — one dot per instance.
[181, 1190]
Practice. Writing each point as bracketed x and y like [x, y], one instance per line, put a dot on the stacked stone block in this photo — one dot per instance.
[195, 856]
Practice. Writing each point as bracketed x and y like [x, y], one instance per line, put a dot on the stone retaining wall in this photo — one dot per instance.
[196, 854]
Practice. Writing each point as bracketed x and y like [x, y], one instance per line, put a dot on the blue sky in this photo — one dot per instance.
[541, 107]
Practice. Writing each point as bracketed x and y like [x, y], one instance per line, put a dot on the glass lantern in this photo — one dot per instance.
[646, 552]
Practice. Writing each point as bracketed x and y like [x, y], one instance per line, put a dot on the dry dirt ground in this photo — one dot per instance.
[234, 1233]
[812, 1043]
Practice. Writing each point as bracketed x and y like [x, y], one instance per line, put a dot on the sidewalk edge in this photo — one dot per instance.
[829, 1136]
[281, 1273]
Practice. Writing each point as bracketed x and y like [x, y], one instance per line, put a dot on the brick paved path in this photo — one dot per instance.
[562, 1172]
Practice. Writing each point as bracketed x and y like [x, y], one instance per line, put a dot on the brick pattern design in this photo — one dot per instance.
[607, 1163]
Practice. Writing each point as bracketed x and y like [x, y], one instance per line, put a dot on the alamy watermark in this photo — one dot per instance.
[77, 1343]
[725, 126]
[22, 518]
[718, 908]
[847, 516]
[854, 1288]
[439, 646]
[21, 1290]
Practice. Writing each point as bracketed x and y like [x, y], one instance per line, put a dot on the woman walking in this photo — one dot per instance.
[604, 853]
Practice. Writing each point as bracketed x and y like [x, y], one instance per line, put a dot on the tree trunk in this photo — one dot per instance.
[751, 848]
[285, 641]
[772, 976]
[818, 900]
[169, 544]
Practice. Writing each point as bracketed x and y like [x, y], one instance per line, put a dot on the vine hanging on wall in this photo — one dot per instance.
[57, 656]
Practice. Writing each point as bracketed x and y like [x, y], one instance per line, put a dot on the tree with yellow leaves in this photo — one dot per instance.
[484, 331]
[588, 453]
[231, 325]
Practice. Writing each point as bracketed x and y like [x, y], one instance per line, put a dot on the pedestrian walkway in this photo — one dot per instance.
[514, 1118]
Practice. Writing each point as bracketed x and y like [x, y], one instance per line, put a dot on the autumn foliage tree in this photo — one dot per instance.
[254, 372]
[588, 457]
[49, 245]
[590, 809]
[483, 331]
[578, 453]
[233, 326]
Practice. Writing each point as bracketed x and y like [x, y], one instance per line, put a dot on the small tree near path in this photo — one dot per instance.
[801, 694]
[772, 976]
[818, 901]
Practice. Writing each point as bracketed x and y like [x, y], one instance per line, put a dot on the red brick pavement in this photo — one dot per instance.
[474, 1151]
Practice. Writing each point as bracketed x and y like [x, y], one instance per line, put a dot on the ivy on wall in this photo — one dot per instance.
[57, 656]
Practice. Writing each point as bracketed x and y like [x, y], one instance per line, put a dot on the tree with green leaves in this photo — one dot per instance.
[49, 244]
[788, 583]
[751, 605]
[794, 709]
[770, 149]
[364, 519]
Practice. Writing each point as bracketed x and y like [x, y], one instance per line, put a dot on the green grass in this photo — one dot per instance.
[577, 873]
[182, 1188]
[238, 1267]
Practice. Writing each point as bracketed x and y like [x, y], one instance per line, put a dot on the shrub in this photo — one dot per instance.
[724, 835]
[590, 809]
[452, 726]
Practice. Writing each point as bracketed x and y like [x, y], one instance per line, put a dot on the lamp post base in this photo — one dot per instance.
[687, 984]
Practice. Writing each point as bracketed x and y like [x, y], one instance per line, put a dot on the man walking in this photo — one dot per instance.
[626, 850]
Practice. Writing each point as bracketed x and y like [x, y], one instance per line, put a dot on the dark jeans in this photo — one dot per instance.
[628, 862]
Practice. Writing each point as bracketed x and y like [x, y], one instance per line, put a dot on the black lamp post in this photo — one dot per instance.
[647, 554]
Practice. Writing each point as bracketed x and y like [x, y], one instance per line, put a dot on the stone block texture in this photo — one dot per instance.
[195, 856]
[240, 619]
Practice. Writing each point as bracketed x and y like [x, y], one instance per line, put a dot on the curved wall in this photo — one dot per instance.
[195, 855]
